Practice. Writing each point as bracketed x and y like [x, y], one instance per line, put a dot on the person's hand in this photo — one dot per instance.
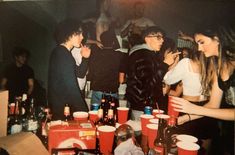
[99, 44]
[171, 57]
[182, 105]
[85, 51]
[182, 119]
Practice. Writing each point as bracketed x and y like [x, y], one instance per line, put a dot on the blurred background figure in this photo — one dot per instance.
[18, 77]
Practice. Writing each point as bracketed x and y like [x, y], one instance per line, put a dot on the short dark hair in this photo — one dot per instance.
[66, 29]
[20, 51]
[152, 30]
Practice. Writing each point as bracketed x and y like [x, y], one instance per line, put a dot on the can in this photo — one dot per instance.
[95, 107]
[148, 110]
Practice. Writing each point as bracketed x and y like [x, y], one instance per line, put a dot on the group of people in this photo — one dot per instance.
[204, 75]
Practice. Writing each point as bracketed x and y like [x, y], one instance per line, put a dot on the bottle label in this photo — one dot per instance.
[32, 125]
[159, 150]
[66, 111]
[16, 128]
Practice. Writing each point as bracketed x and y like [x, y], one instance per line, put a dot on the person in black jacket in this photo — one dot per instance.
[63, 72]
[145, 72]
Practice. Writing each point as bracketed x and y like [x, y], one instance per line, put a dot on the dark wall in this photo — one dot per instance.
[31, 23]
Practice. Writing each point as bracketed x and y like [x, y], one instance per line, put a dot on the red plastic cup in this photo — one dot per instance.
[186, 138]
[144, 121]
[152, 134]
[12, 108]
[154, 121]
[106, 137]
[80, 116]
[157, 111]
[163, 116]
[122, 114]
[187, 148]
[171, 112]
[93, 116]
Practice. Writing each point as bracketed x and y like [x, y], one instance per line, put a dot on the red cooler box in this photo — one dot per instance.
[75, 134]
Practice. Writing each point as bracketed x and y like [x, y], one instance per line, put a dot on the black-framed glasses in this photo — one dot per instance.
[159, 37]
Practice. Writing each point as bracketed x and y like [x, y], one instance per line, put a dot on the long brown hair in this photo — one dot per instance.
[214, 66]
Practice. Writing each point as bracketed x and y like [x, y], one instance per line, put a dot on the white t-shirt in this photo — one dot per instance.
[76, 53]
[183, 72]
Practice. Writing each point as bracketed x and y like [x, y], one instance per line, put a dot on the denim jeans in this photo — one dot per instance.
[97, 96]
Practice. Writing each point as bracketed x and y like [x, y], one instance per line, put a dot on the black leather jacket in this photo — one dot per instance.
[144, 79]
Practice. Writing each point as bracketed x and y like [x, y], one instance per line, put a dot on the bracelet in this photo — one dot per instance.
[189, 117]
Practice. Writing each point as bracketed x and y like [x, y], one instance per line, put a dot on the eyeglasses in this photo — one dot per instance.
[159, 37]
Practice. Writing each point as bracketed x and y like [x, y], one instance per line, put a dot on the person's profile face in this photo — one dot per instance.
[77, 39]
[155, 40]
[209, 46]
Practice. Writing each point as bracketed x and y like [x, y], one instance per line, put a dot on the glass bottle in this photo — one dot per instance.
[67, 115]
[32, 122]
[159, 142]
[110, 120]
[16, 123]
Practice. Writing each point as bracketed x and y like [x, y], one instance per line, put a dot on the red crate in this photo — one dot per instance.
[75, 134]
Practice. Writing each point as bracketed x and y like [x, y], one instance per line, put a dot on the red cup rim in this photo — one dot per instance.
[152, 126]
[147, 116]
[154, 121]
[106, 128]
[186, 138]
[122, 108]
[163, 116]
[93, 112]
[188, 146]
[158, 110]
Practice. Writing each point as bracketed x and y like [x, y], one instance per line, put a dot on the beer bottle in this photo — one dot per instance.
[100, 118]
[159, 142]
[110, 120]
[170, 137]
[16, 123]
[46, 119]
[32, 122]
[67, 115]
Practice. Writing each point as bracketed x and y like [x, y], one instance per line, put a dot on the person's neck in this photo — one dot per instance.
[67, 45]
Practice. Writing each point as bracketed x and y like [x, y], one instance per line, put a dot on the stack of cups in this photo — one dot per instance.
[171, 112]
[187, 145]
[152, 134]
[144, 121]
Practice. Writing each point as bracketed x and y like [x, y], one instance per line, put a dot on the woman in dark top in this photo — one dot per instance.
[62, 81]
[217, 75]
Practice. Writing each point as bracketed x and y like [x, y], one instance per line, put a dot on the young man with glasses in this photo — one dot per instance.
[146, 70]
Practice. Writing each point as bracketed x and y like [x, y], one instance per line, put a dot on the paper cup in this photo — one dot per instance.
[154, 121]
[80, 116]
[152, 134]
[186, 138]
[157, 111]
[187, 148]
[144, 121]
[93, 116]
[171, 111]
[122, 114]
[106, 137]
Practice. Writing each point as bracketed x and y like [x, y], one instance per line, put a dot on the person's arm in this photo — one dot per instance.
[211, 109]
[30, 86]
[178, 91]
[126, 28]
[121, 77]
[99, 44]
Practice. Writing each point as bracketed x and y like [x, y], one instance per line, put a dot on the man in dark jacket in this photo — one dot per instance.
[145, 72]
